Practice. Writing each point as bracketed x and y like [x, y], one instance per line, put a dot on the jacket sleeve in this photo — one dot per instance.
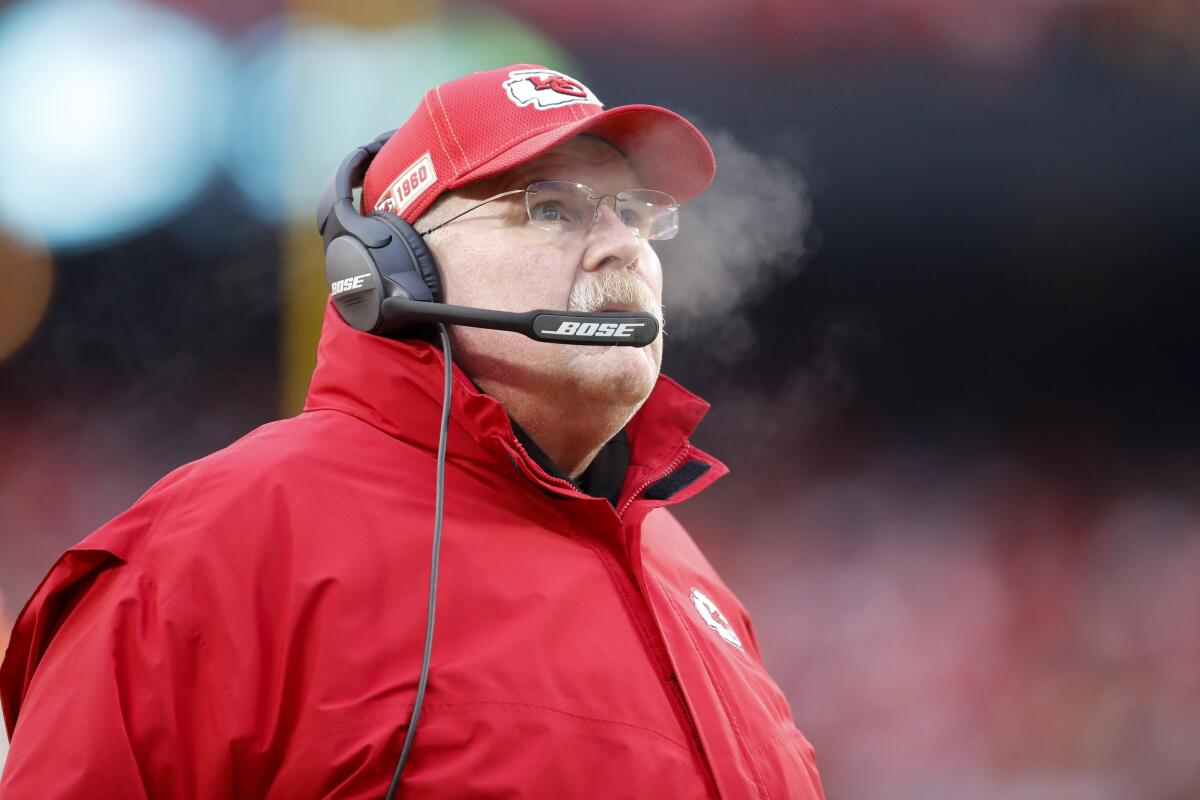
[105, 693]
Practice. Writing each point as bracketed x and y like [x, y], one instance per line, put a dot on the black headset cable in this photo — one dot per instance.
[433, 568]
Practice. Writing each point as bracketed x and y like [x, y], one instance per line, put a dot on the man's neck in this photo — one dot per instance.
[568, 443]
[570, 435]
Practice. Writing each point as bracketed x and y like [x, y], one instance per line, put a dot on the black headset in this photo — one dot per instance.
[367, 260]
[384, 280]
[361, 252]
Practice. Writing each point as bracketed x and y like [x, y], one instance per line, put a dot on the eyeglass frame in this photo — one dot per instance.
[596, 200]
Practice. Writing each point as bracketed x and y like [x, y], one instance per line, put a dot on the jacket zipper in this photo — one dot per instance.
[667, 673]
[657, 477]
[541, 472]
[709, 777]
[710, 780]
[672, 678]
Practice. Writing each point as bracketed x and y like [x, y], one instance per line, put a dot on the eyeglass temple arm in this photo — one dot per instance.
[469, 210]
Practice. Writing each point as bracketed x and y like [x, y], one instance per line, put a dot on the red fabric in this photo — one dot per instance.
[472, 128]
[253, 625]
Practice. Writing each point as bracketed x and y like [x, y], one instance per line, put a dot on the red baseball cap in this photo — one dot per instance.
[490, 122]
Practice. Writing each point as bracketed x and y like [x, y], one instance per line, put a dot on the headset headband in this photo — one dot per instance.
[338, 197]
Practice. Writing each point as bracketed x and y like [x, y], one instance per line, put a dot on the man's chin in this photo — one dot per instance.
[616, 375]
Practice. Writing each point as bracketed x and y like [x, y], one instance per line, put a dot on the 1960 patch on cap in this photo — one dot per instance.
[545, 88]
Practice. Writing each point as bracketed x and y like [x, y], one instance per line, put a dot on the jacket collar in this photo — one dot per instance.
[396, 386]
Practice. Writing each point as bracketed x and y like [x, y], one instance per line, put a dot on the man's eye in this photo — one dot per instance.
[551, 211]
[630, 217]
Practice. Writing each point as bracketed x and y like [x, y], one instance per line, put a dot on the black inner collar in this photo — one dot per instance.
[603, 477]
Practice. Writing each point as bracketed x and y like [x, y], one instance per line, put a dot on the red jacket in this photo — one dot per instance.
[253, 625]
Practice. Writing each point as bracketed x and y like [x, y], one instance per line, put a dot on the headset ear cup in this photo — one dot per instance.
[355, 284]
[422, 257]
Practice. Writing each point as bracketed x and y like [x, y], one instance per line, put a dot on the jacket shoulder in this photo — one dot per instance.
[667, 541]
[259, 478]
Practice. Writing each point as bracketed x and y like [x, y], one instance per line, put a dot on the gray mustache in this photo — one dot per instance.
[617, 288]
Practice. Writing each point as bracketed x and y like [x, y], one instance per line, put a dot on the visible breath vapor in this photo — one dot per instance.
[736, 241]
[753, 422]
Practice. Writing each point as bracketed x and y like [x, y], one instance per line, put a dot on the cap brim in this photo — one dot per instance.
[664, 149]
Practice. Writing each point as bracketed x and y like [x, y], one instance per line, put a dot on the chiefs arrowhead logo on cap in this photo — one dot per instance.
[544, 88]
[490, 122]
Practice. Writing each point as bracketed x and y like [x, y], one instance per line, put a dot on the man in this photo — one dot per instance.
[253, 626]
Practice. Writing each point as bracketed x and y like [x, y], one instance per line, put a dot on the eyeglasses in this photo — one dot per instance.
[565, 206]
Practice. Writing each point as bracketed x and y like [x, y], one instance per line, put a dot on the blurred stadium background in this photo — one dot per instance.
[965, 508]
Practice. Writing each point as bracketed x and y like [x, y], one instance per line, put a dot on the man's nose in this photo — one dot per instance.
[610, 242]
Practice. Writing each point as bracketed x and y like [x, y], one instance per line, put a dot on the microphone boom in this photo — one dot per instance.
[628, 328]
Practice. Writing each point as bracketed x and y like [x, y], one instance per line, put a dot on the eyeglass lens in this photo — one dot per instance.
[566, 206]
